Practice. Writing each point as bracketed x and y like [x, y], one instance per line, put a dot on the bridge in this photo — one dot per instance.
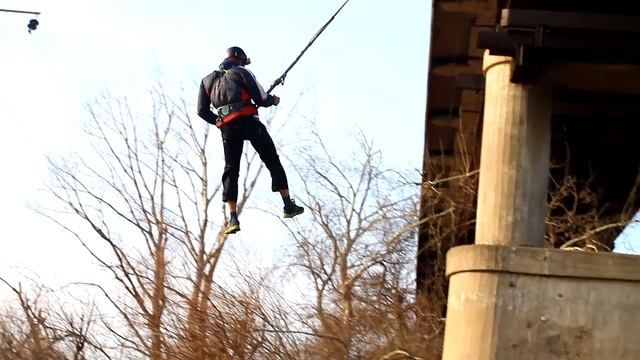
[530, 171]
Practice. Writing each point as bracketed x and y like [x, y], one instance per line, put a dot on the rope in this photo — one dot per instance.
[280, 80]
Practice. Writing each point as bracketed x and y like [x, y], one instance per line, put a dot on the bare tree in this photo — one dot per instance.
[34, 329]
[146, 198]
[448, 210]
[358, 255]
[577, 218]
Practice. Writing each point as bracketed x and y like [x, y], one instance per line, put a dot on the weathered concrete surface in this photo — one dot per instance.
[514, 163]
[509, 303]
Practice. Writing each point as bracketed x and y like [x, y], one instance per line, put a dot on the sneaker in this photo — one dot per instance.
[232, 227]
[292, 210]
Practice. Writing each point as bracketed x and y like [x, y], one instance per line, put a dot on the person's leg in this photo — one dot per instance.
[232, 205]
[290, 207]
[232, 145]
[233, 224]
[264, 146]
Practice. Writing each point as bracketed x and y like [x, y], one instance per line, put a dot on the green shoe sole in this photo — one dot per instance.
[292, 214]
[232, 229]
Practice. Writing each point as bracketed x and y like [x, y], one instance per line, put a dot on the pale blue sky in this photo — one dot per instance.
[367, 71]
[628, 242]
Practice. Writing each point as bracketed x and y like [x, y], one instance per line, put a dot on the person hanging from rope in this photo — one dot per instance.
[236, 95]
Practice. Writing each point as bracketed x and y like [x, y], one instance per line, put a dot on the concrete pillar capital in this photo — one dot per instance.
[489, 61]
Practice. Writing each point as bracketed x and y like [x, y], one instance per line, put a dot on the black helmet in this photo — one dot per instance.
[238, 53]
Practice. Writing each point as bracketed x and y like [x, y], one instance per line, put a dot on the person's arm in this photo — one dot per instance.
[256, 91]
[204, 105]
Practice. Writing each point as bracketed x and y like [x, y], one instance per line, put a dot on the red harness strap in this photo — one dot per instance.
[248, 110]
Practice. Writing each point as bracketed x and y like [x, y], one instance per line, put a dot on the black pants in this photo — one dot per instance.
[234, 134]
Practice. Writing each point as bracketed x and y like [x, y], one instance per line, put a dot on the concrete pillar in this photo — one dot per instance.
[514, 164]
[522, 303]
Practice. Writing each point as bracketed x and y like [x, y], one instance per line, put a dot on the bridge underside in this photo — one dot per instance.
[590, 50]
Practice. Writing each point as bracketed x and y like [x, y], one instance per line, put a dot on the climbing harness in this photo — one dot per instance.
[231, 108]
[280, 80]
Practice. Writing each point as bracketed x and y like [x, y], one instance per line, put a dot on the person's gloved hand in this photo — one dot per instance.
[276, 100]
